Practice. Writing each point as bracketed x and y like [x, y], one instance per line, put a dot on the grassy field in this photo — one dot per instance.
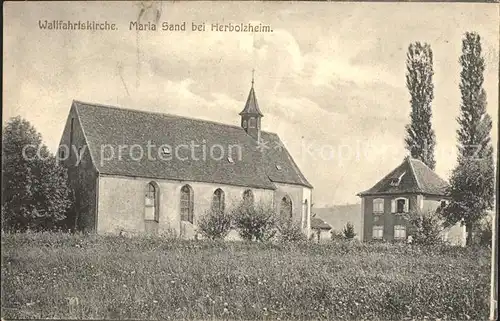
[73, 276]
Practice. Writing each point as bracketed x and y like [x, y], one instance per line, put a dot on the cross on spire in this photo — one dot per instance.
[253, 74]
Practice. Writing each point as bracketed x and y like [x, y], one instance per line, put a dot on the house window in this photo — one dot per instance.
[151, 203]
[248, 197]
[400, 205]
[399, 232]
[377, 232]
[378, 205]
[286, 207]
[218, 201]
[187, 204]
[251, 123]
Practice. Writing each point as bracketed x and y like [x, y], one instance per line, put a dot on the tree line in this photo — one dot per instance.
[472, 181]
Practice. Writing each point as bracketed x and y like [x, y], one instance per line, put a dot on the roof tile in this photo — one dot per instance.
[107, 128]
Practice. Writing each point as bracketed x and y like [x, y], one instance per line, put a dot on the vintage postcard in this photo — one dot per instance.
[250, 160]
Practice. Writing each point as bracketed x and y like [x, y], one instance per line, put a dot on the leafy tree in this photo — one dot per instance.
[348, 231]
[472, 181]
[420, 138]
[35, 194]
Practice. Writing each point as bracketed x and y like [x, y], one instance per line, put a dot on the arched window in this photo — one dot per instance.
[286, 207]
[218, 201]
[245, 123]
[187, 203]
[304, 214]
[151, 203]
[251, 123]
[248, 197]
[400, 205]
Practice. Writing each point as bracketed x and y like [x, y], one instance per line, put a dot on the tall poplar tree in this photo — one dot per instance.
[472, 187]
[420, 138]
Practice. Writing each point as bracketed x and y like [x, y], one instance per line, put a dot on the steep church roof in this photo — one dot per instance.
[411, 177]
[251, 106]
[106, 128]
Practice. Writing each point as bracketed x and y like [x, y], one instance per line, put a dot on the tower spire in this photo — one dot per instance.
[251, 114]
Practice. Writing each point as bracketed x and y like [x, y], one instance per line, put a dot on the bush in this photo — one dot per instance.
[349, 231]
[427, 227]
[336, 235]
[255, 222]
[484, 232]
[215, 224]
[290, 231]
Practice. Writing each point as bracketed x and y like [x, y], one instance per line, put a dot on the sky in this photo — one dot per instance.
[329, 78]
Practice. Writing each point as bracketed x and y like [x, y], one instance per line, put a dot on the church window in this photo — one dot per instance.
[286, 207]
[187, 203]
[305, 213]
[251, 123]
[244, 123]
[248, 197]
[151, 203]
[218, 201]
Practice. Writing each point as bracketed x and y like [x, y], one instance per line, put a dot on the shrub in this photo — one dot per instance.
[290, 231]
[427, 227]
[349, 231]
[336, 235]
[484, 232]
[255, 222]
[215, 224]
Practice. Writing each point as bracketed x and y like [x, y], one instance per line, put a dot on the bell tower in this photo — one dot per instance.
[251, 115]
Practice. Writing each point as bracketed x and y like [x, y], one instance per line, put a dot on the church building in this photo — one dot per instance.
[144, 172]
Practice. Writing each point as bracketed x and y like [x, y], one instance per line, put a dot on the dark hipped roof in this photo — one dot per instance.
[251, 106]
[112, 126]
[318, 223]
[417, 179]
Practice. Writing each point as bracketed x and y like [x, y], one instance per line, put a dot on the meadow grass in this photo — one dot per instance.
[51, 275]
